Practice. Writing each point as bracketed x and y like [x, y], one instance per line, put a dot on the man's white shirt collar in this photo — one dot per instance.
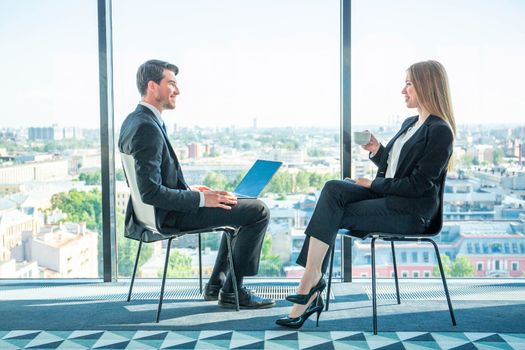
[155, 111]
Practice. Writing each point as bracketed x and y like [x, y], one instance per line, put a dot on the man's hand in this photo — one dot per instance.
[219, 199]
[372, 146]
[199, 188]
[364, 182]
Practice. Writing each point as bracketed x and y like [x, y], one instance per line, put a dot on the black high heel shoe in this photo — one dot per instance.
[297, 322]
[302, 299]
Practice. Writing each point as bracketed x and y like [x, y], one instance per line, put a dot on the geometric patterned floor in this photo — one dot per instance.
[95, 337]
[274, 340]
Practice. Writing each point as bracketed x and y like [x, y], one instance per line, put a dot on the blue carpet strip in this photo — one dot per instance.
[275, 340]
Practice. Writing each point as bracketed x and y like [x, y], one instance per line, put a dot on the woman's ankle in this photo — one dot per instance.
[309, 282]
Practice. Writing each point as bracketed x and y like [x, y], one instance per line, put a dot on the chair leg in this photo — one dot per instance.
[232, 270]
[395, 271]
[200, 263]
[374, 300]
[134, 269]
[332, 250]
[166, 263]
[444, 279]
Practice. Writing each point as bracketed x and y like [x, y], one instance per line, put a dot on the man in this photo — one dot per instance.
[180, 207]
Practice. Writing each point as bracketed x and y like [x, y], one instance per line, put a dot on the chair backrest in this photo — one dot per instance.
[145, 213]
[436, 224]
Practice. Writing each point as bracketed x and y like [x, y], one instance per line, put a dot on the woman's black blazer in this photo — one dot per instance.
[422, 161]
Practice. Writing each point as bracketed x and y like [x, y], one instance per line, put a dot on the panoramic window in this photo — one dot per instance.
[484, 202]
[50, 212]
[257, 81]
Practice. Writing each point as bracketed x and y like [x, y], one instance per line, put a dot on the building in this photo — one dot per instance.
[286, 156]
[514, 183]
[34, 171]
[493, 249]
[12, 224]
[483, 153]
[65, 251]
[465, 199]
[195, 150]
[8, 189]
[84, 160]
[45, 133]
[54, 133]
[122, 193]
[23, 269]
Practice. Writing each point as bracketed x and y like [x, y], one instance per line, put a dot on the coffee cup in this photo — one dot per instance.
[362, 137]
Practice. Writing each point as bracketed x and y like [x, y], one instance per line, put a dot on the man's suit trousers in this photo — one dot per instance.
[251, 215]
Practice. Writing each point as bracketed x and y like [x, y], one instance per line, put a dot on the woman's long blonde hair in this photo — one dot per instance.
[430, 81]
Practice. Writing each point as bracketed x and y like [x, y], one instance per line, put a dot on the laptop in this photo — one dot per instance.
[256, 178]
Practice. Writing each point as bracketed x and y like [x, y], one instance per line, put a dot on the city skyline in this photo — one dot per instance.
[487, 184]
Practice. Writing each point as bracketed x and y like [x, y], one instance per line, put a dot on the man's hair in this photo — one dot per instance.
[152, 70]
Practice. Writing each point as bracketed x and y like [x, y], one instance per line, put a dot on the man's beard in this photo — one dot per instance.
[169, 105]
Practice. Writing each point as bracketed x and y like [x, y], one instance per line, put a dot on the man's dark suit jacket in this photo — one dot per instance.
[159, 175]
[422, 161]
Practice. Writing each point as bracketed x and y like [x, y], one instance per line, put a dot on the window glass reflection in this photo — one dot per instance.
[50, 213]
[256, 81]
[484, 204]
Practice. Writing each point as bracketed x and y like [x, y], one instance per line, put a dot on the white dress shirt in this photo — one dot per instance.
[393, 155]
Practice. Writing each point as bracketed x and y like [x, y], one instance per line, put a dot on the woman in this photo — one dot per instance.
[402, 198]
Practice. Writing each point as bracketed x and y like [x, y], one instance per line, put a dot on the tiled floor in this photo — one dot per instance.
[96, 316]
[273, 340]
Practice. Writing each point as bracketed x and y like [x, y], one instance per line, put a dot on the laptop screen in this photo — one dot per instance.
[257, 178]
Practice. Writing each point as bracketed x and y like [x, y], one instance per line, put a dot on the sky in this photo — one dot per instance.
[274, 60]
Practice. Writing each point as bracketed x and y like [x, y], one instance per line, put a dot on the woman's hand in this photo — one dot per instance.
[373, 145]
[364, 182]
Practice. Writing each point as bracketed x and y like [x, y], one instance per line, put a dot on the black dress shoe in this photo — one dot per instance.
[303, 299]
[211, 292]
[247, 300]
[316, 306]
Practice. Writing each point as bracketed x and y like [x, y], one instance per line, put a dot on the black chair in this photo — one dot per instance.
[434, 228]
[145, 213]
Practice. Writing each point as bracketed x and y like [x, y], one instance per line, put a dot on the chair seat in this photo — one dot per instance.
[230, 229]
[370, 234]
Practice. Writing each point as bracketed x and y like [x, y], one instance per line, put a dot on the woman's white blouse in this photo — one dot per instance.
[393, 155]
